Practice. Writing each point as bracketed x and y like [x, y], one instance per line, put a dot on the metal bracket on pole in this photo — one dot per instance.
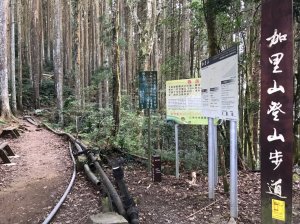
[211, 165]
[233, 170]
[177, 151]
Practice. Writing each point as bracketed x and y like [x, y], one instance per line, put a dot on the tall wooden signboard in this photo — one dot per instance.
[276, 111]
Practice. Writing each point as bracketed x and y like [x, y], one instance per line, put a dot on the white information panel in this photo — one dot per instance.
[219, 85]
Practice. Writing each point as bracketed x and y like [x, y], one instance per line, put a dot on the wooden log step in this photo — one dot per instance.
[7, 149]
[4, 157]
[12, 131]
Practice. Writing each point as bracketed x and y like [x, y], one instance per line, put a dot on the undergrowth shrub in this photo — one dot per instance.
[94, 125]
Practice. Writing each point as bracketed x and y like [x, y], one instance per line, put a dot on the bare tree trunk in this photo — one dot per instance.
[210, 18]
[5, 108]
[82, 54]
[77, 51]
[186, 40]
[20, 56]
[49, 14]
[86, 45]
[123, 59]
[106, 62]
[129, 49]
[146, 32]
[42, 41]
[58, 59]
[36, 51]
[116, 68]
[13, 59]
[296, 127]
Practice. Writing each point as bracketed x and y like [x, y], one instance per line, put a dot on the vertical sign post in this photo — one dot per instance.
[177, 151]
[216, 175]
[148, 101]
[219, 99]
[276, 116]
[183, 104]
[211, 160]
[233, 170]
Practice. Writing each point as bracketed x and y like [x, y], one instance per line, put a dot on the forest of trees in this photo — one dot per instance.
[82, 57]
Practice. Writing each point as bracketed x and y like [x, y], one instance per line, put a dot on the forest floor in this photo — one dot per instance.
[30, 189]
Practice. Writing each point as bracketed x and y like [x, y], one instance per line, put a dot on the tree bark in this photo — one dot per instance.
[5, 108]
[116, 68]
[13, 59]
[36, 51]
[186, 40]
[77, 51]
[20, 56]
[58, 59]
[210, 19]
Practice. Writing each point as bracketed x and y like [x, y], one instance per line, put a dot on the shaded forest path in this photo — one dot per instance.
[29, 189]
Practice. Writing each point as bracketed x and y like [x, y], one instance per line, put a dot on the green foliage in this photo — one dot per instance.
[253, 106]
[172, 67]
[195, 159]
[122, 43]
[2, 122]
[47, 90]
[218, 6]
[27, 93]
[48, 66]
[101, 74]
[130, 136]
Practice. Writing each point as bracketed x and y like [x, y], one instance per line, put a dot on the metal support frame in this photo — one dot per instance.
[233, 170]
[211, 161]
[215, 136]
[177, 151]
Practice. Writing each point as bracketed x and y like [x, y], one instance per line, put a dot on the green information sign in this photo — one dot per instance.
[148, 90]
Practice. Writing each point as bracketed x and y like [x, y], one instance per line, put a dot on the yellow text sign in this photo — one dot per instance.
[278, 210]
[184, 102]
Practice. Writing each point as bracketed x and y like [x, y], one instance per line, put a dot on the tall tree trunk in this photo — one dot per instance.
[20, 56]
[5, 108]
[77, 51]
[146, 33]
[186, 39]
[58, 59]
[129, 49]
[116, 68]
[36, 51]
[13, 59]
[123, 59]
[296, 128]
[210, 19]
[49, 25]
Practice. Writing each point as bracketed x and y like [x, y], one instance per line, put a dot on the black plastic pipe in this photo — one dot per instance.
[62, 199]
[111, 190]
[91, 175]
[129, 204]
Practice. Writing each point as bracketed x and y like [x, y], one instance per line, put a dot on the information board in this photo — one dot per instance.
[148, 90]
[184, 102]
[219, 86]
[276, 113]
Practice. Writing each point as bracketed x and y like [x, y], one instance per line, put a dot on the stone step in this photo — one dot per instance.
[107, 218]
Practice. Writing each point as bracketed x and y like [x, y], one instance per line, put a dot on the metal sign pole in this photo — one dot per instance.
[211, 166]
[216, 153]
[149, 140]
[177, 151]
[233, 170]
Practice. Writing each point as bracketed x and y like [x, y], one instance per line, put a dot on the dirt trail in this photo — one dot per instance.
[31, 188]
